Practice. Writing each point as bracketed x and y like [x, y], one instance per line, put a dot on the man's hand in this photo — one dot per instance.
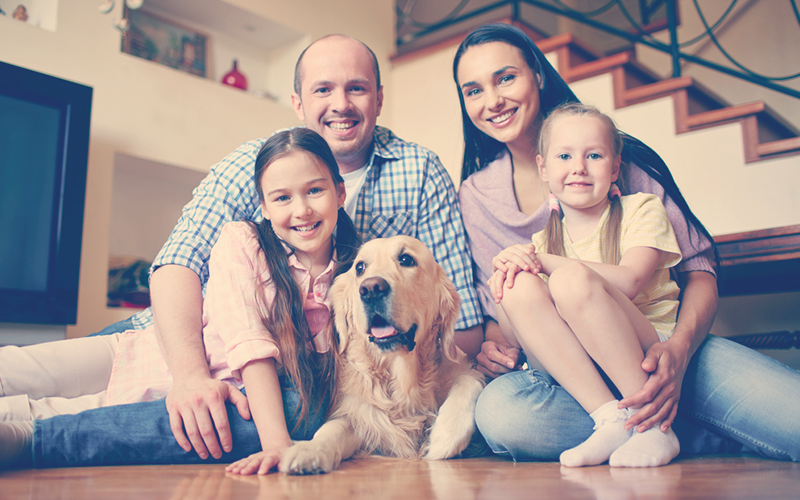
[197, 407]
[496, 359]
[666, 362]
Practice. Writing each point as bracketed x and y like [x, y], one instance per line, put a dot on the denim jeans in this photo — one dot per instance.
[139, 434]
[118, 327]
[733, 399]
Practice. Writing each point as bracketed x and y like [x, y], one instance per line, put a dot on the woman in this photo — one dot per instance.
[506, 88]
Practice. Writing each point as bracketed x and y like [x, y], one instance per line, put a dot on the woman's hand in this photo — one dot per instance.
[259, 463]
[666, 362]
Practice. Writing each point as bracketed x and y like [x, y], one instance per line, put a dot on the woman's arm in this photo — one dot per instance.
[667, 361]
[266, 403]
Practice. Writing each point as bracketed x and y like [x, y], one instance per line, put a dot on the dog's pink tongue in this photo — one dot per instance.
[383, 332]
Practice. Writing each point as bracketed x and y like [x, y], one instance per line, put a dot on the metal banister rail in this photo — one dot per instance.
[639, 24]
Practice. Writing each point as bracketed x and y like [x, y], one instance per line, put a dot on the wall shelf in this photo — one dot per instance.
[234, 33]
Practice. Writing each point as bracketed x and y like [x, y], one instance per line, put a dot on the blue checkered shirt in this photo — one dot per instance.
[406, 191]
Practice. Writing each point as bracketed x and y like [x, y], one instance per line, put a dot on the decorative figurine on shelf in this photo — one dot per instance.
[21, 14]
[235, 78]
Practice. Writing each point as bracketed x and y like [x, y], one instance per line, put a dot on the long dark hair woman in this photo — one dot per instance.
[506, 88]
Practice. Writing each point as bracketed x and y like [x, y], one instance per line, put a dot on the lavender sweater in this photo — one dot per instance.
[493, 221]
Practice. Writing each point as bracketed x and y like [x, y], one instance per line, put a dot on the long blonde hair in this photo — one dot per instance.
[554, 232]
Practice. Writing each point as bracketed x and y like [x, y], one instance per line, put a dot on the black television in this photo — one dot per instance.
[44, 152]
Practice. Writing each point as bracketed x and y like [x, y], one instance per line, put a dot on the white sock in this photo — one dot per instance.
[609, 434]
[15, 443]
[650, 448]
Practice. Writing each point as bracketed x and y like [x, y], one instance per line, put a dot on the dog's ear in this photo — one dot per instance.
[449, 301]
[342, 300]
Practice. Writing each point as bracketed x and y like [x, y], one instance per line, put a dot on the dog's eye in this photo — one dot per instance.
[406, 260]
[360, 268]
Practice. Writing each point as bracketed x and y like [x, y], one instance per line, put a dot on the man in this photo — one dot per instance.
[394, 187]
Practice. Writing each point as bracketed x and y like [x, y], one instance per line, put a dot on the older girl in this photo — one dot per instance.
[265, 325]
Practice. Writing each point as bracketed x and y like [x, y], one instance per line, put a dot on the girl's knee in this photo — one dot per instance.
[528, 288]
[574, 283]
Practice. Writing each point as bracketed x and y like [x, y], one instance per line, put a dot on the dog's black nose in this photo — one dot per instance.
[373, 289]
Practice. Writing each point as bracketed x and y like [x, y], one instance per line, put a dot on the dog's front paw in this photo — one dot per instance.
[447, 441]
[455, 423]
[307, 457]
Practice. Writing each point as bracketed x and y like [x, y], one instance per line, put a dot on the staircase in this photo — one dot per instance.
[766, 134]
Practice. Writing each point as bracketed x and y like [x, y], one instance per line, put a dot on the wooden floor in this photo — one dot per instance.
[481, 478]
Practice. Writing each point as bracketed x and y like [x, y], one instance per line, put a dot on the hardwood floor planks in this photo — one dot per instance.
[728, 477]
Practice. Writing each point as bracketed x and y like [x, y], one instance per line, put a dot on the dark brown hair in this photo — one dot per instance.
[284, 318]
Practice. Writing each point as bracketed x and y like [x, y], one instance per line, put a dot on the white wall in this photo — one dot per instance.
[424, 105]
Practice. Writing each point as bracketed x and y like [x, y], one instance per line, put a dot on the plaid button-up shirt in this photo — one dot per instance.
[407, 191]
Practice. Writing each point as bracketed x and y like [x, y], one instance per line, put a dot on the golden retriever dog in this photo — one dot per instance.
[403, 389]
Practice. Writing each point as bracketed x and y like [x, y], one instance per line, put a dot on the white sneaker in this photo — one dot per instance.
[16, 438]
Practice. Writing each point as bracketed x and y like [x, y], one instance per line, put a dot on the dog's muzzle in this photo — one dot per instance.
[375, 296]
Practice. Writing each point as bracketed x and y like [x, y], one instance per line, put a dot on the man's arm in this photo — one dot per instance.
[667, 361]
[441, 228]
[226, 194]
[196, 403]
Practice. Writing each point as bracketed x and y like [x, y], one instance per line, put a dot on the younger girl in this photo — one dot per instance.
[606, 295]
[265, 317]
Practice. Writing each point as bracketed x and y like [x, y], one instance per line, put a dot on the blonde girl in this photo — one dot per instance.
[605, 295]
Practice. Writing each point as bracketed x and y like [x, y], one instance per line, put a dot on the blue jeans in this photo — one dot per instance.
[139, 434]
[118, 327]
[733, 399]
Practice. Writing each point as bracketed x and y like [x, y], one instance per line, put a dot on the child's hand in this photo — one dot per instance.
[508, 263]
[258, 463]
[522, 256]
[499, 279]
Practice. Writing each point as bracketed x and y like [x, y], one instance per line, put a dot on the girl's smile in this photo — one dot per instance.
[302, 201]
[579, 163]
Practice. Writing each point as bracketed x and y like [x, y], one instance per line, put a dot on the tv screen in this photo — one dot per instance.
[44, 149]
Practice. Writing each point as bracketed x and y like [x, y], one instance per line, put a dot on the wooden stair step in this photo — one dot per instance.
[724, 115]
[655, 90]
[766, 133]
[783, 147]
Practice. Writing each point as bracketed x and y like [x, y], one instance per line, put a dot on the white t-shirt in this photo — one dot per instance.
[353, 182]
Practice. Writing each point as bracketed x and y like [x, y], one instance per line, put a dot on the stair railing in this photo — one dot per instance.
[638, 31]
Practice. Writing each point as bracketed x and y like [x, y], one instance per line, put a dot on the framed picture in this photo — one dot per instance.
[163, 41]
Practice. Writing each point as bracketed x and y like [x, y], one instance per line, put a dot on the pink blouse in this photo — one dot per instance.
[233, 332]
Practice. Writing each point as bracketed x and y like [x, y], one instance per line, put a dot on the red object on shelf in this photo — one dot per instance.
[235, 78]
